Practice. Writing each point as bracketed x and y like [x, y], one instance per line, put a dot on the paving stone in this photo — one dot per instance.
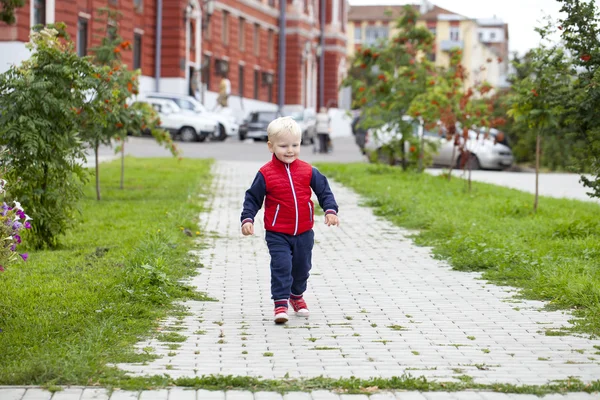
[202, 394]
[37, 394]
[68, 394]
[410, 396]
[161, 394]
[267, 396]
[94, 394]
[11, 393]
[239, 395]
[125, 395]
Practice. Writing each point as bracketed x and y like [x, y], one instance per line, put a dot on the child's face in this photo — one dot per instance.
[286, 147]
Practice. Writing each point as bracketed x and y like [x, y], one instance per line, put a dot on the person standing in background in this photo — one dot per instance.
[323, 127]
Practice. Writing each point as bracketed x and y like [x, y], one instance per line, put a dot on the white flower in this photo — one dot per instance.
[17, 206]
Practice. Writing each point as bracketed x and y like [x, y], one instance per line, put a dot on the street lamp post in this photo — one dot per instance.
[322, 56]
[281, 83]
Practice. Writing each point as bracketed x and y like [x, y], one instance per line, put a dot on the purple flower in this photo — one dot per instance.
[17, 225]
[27, 225]
[21, 214]
[17, 238]
[13, 247]
[1, 268]
[24, 256]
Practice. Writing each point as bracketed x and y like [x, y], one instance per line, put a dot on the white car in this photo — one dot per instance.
[227, 124]
[487, 153]
[183, 125]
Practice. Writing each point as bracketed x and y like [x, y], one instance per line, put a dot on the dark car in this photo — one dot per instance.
[255, 125]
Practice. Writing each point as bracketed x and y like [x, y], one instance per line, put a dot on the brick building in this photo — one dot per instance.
[186, 46]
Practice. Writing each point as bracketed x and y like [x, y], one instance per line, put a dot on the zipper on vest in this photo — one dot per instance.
[310, 211]
[275, 217]
[287, 168]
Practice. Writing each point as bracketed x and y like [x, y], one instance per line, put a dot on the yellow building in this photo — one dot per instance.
[484, 41]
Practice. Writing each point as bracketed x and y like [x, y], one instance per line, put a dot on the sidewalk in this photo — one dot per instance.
[188, 394]
[381, 307]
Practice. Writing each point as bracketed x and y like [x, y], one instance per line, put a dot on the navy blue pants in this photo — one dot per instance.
[290, 262]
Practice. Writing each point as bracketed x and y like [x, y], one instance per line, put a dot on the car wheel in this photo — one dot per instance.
[304, 141]
[222, 133]
[472, 164]
[188, 134]
[242, 136]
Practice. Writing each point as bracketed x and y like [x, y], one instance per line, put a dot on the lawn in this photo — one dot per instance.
[66, 313]
[552, 255]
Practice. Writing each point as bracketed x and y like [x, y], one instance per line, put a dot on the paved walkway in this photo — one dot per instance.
[380, 305]
[188, 394]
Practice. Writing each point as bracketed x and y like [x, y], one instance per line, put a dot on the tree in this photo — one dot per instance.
[385, 78]
[455, 108]
[39, 130]
[7, 10]
[581, 35]
[115, 85]
[539, 98]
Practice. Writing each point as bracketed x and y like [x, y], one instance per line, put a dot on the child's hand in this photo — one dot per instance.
[331, 219]
[248, 229]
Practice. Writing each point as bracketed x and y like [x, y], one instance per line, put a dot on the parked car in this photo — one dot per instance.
[182, 125]
[487, 153]
[227, 124]
[255, 125]
[307, 119]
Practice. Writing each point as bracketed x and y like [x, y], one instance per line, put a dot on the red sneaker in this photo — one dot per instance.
[300, 307]
[281, 316]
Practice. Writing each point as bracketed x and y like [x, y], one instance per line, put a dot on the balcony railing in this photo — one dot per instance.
[447, 45]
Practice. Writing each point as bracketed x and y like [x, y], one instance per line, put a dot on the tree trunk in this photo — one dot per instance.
[96, 145]
[469, 166]
[403, 149]
[421, 153]
[122, 164]
[537, 171]
[452, 160]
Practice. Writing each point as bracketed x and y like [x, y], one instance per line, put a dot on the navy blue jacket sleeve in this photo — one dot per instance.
[254, 198]
[320, 186]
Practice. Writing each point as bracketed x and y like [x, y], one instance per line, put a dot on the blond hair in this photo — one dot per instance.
[282, 126]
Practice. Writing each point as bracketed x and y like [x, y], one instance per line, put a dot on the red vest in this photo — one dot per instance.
[288, 207]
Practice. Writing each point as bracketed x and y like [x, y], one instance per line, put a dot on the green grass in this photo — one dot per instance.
[553, 255]
[67, 312]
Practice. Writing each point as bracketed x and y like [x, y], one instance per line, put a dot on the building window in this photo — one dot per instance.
[225, 31]
[267, 80]
[242, 34]
[256, 83]
[493, 35]
[82, 37]
[138, 4]
[433, 30]
[39, 12]
[481, 36]
[272, 3]
[375, 34]
[455, 33]
[256, 40]
[241, 80]
[206, 72]
[270, 44]
[357, 34]
[137, 51]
